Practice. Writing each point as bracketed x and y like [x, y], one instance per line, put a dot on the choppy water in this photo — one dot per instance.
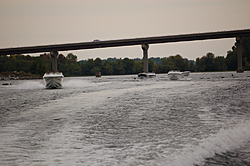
[120, 120]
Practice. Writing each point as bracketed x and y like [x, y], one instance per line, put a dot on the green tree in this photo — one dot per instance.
[128, 65]
[209, 61]
[168, 64]
[95, 70]
[191, 66]
[231, 60]
[118, 67]
[138, 66]
[186, 64]
[66, 70]
[3, 60]
[178, 62]
[219, 64]
[203, 63]
[71, 56]
[98, 63]
[74, 69]
[197, 64]
[8, 66]
[107, 68]
[151, 65]
[89, 65]
[41, 68]
[164, 65]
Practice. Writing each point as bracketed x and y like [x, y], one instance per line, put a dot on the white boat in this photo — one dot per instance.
[53, 80]
[176, 74]
[146, 75]
[185, 73]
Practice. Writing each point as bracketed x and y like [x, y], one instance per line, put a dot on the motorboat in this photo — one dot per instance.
[146, 75]
[151, 75]
[53, 80]
[185, 73]
[176, 74]
[142, 75]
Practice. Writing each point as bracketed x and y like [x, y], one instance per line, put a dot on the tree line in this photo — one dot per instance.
[113, 66]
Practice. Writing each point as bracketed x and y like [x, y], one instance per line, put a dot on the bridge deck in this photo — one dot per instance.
[126, 42]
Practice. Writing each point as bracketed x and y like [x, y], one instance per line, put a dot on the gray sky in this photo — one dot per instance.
[42, 22]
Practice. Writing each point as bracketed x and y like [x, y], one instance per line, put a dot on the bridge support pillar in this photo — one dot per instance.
[145, 56]
[239, 54]
[54, 55]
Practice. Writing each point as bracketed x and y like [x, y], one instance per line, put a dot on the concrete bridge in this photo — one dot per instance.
[144, 42]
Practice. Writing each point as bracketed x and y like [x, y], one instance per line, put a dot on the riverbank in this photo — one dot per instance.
[6, 76]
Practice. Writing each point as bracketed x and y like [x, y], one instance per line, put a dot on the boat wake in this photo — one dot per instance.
[28, 85]
[81, 83]
[225, 140]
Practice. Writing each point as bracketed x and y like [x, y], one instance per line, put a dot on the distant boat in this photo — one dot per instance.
[146, 75]
[53, 80]
[185, 73]
[176, 74]
[98, 74]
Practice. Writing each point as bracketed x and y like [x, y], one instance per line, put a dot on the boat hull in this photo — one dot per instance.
[53, 81]
[176, 75]
[146, 75]
[142, 75]
[151, 75]
[185, 73]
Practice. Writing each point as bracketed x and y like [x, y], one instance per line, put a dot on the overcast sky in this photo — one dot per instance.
[43, 22]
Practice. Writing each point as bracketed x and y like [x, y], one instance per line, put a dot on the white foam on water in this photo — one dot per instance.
[39, 84]
[29, 85]
[77, 83]
[225, 140]
[81, 83]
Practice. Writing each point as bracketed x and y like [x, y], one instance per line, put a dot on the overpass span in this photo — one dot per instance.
[144, 42]
[125, 42]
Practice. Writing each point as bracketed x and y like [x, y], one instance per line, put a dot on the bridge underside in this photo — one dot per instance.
[144, 42]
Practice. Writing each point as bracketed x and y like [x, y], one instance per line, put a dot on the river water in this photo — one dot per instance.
[122, 120]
